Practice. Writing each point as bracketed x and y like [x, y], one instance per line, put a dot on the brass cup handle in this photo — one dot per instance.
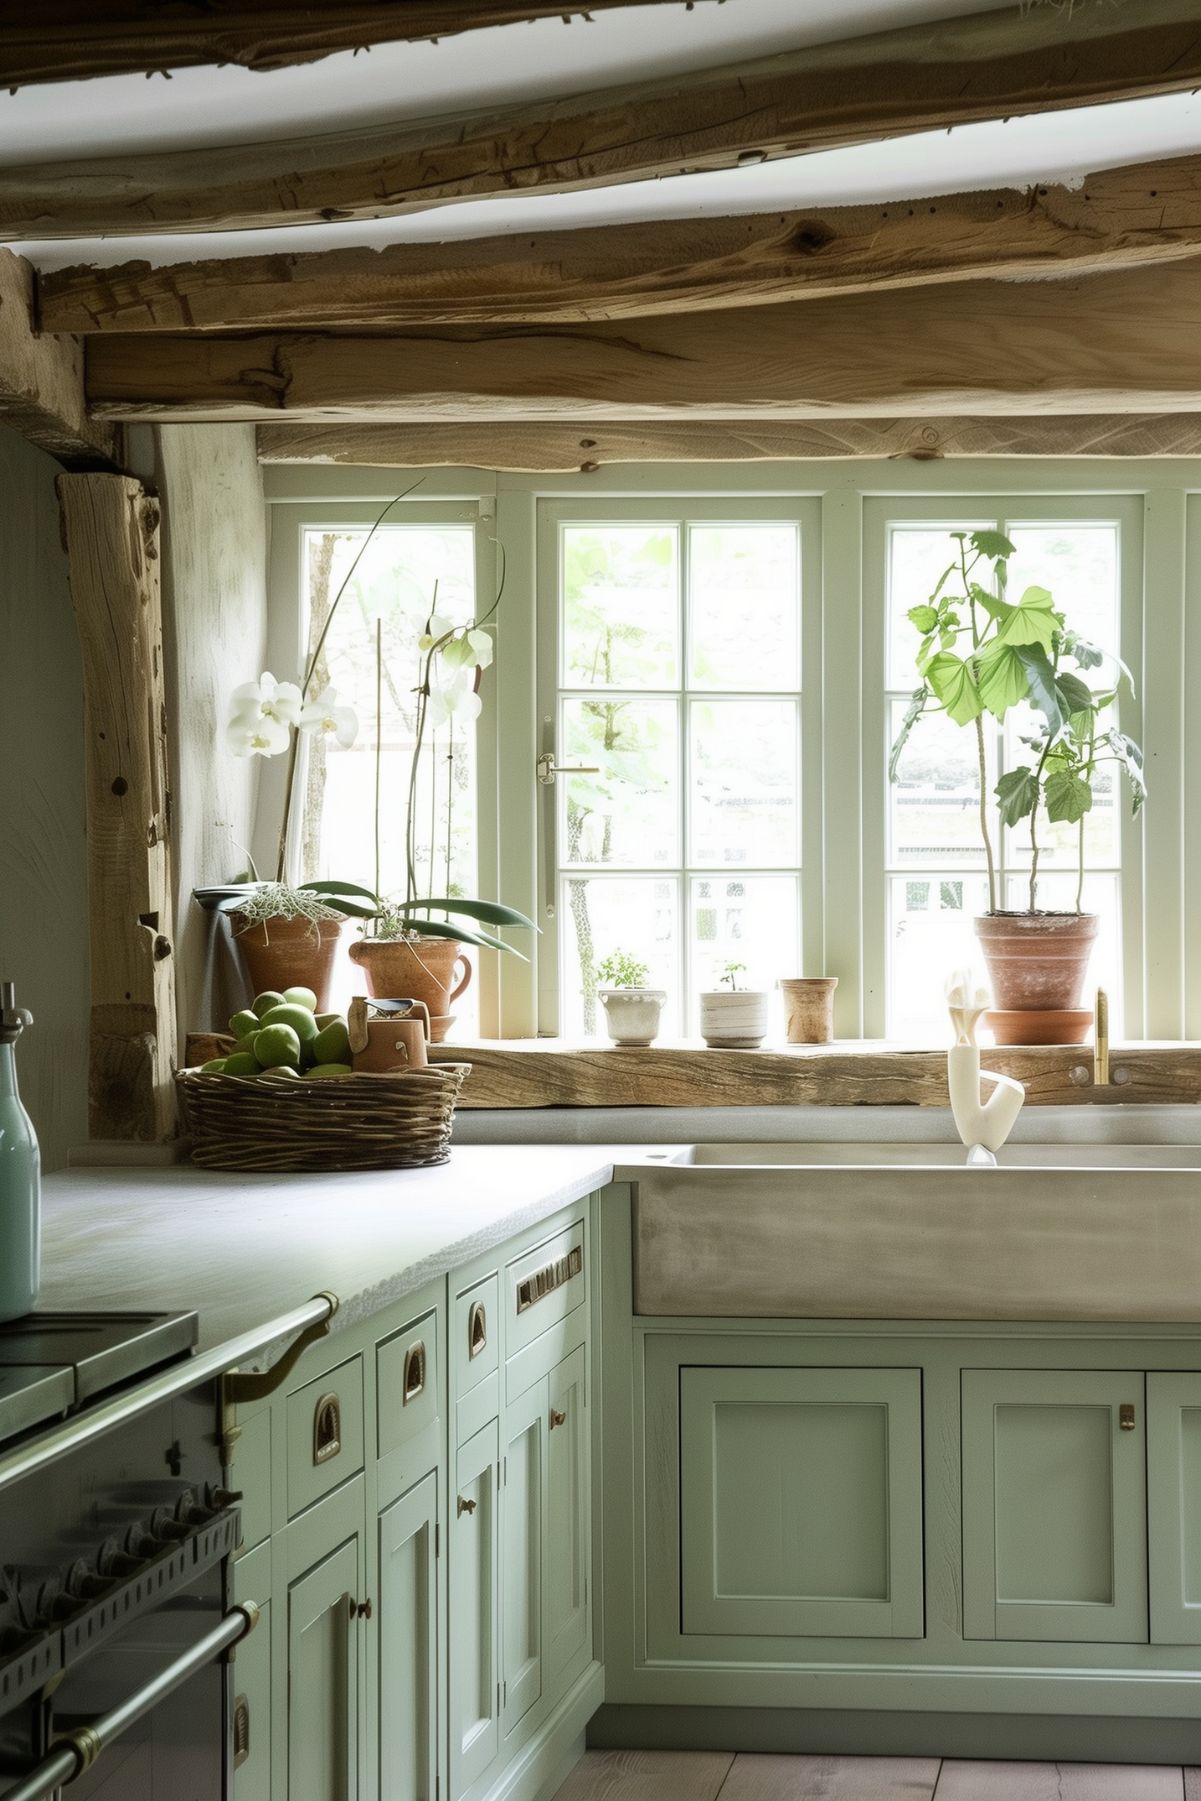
[464, 1506]
[557, 1418]
[1126, 1416]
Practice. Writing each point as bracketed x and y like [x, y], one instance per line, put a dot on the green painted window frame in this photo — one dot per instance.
[842, 852]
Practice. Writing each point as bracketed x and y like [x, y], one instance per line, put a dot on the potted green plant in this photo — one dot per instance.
[978, 656]
[632, 1009]
[733, 1017]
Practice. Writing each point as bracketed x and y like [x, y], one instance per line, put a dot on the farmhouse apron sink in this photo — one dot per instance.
[903, 1231]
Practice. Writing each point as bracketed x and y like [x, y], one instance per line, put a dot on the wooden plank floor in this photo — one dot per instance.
[718, 1776]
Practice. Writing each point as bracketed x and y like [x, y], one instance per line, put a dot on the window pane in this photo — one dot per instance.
[599, 915]
[744, 606]
[629, 812]
[1059, 845]
[751, 920]
[917, 556]
[1079, 564]
[745, 787]
[930, 934]
[934, 804]
[620, 606]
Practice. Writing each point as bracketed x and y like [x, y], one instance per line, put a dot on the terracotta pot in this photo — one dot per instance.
[287, 953]
[1066, 1025]
[424, 968]
[1037, 962]
[809, 1008]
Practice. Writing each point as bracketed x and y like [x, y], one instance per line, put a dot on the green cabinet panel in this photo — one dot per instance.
[1054, 1505]
[801, 1501]
[408, 1646]
[568, 1493]
[323, 1700]
[474, 1664]
[1174, 1506]
[523, 1509]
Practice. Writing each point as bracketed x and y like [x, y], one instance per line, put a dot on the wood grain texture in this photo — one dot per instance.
[990, 65]
[552, 448]
[41, 379]
[74, 40]
[757, 1778]
[1128, 342]
[1149, 213]
[647, 1776]
[967, 1781]
[110, 530]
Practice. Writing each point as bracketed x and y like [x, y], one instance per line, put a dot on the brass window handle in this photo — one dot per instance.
[547, 769]
[464, 1506]
[557, 1418]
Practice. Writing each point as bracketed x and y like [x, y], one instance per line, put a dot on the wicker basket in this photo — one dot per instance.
[364, 1121]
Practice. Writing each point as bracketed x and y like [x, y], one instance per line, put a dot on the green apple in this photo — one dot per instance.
[332, 1043]
[276, 1045]
[242, 1063]
[269, 1075]
[327, 1019]
[244, 1024]
[288, 1014]
[321, 1072]
[301, 997]
[263, 1003]
[214, 1067]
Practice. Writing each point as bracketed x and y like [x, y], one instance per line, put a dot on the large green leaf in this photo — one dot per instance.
[332, 887]
[492, 912]
[923, 618]
[1075, 696]
[1017, 794]
[439, 928]
[1003, 678]
[1130, 757]
[953, 684]
[1040, 685]
[913, 712]
[1068, 796]
[1031, 621]
[991, 544]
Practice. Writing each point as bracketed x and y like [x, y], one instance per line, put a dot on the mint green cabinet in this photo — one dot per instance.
[1174, 1506]
[323, 1678]
[407, 1714]
[523, 1512]
[1054, 1505]
[568, 1513]
[473, 1627]
[801, 1502]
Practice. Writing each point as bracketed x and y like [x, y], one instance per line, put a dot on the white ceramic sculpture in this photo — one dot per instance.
[984, 1124]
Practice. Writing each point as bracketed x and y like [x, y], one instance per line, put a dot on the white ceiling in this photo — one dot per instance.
[404, 81]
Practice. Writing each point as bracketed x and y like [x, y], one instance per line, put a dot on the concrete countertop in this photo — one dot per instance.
[242, 1250]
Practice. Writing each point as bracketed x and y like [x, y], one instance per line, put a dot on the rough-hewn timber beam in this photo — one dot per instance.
[41, 379]
[549, 449]
[1125, 343]
[70, 40]
[111, 533]
[1150, 212]
[1015, 60]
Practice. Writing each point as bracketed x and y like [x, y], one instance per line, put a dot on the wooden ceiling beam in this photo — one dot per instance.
[41, 380]
[1122, 343]
[73, 40]
[986, 66]
[565, 449]
[1149, 212]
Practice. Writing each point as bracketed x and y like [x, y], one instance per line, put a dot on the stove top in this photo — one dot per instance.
[55, 1363]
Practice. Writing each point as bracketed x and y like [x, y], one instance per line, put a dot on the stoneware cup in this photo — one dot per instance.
[809, 1008]
[733, 1019]
[388, 1040]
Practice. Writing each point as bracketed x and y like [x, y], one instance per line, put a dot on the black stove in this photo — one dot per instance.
[52, 1364]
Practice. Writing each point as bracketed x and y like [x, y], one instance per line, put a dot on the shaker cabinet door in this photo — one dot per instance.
[801, 1499]
[474, 1610]
[1174, 1506]
[1054, 1505]
[568, 1514]
[408, 1646]
[323, 1665]
[523, 1509]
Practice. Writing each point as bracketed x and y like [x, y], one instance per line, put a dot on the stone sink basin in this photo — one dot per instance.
[1096, 1232]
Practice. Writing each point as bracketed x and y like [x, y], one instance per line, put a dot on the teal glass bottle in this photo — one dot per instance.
[20, 1175]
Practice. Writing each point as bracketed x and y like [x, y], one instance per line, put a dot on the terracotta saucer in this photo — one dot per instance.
[1067, 1025]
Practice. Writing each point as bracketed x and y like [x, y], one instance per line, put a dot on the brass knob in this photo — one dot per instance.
[557, 1418]
[465, 1506]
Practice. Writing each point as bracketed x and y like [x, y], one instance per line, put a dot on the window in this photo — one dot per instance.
[676, 652]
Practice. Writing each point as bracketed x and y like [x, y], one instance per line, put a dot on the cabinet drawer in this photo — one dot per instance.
[408, 1375]
[543, 1286]
[325, 1434]
[476, 1330]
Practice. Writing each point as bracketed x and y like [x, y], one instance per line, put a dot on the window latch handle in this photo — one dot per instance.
[547, 769]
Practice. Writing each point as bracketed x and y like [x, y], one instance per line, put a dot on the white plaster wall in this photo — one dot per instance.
[43, 869]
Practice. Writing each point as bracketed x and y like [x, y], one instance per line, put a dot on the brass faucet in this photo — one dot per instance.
[1101, 1041]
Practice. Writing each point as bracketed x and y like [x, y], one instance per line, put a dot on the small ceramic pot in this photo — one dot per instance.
[388, 1035]
[809, 1008]
[632, 1014]
[426, 968]
[287, 953]
[734, 1018]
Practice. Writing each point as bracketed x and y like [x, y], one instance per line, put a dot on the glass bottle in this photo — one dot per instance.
[20, 1175]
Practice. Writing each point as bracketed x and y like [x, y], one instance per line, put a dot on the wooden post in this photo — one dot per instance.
[110, 531]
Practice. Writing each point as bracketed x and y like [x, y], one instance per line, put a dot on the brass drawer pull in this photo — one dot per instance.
[327, 1428]
[241, 1731]
[464, 1506]
[477, 1330]
[360, 1610]
[557, 1418]
[1126, 1416]
[414, 1372]
[553, 1275]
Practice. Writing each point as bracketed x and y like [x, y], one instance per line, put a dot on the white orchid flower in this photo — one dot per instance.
[250, 734]
[268, 699]
[481, 646]
[456, 699]
[328, 717]
[438, 628]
